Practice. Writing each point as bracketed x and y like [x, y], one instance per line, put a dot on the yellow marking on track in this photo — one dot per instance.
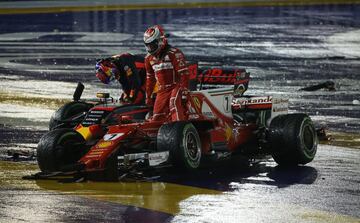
[311, 215]
[60, 9]
[11, 173]
[351, 140]
[157, 196]
[23, 99]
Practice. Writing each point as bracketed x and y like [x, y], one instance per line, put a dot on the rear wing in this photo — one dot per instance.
[201, 78]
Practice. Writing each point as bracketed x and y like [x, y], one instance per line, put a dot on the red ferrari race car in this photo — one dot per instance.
[111, 140]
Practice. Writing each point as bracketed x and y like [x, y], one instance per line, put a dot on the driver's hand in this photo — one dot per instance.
[149, 115]
[123, 100]
[149, 102]
[184, 93]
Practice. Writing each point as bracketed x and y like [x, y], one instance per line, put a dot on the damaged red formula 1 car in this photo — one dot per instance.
[111, 140]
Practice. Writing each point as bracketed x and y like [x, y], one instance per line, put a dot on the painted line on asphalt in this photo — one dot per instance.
[156, 196]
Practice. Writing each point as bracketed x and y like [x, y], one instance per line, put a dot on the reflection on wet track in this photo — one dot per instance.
[256, 193]
[43, 56]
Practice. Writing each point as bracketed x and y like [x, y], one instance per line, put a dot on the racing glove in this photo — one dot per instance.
[125, 98]
[184, 94]
[149, 102]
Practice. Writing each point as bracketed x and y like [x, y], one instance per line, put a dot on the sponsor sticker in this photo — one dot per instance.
[112, 137]
[158, 158]
[239, 90]
[194, 116]
[162, 66]
[205, 110]
[279, 106]
[104, 144]
[254, 100]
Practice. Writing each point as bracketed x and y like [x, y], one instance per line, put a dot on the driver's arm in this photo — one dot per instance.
[181, 68]
[134, 80]
[150, 81]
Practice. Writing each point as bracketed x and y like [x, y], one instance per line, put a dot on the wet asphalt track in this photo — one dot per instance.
[285, 49]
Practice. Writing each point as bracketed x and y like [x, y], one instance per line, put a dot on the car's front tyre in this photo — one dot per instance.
[182, 141]
[59, 148]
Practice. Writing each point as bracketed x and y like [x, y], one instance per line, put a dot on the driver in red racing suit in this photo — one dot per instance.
[166, 66]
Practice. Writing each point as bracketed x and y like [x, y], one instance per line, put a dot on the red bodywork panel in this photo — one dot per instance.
[96, 158]
[224, 129]
[215, 123]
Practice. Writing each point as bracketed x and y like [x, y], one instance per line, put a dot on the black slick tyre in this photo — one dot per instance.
[182, 141]
[59, 148]
[293, 139]
[64, 117]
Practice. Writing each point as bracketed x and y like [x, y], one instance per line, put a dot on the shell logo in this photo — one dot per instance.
[104, 144]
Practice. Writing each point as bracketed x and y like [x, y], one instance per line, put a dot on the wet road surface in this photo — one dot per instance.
[324, 191]
[44, 55]
[284, 48]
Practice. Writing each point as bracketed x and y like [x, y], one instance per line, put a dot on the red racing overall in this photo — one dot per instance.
[171, 73]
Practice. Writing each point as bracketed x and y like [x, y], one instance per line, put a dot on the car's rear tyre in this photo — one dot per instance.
[59, 148]
[182, 141]
[293, 139]
[62, 118]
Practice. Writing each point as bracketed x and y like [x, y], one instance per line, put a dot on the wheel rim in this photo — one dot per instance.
[309, 140]
[192, 147]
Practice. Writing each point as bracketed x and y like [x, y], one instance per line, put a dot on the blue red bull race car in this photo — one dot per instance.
[105, 140]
